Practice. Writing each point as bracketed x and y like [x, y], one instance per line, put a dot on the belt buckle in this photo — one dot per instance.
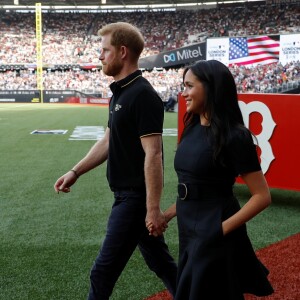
[182, 187]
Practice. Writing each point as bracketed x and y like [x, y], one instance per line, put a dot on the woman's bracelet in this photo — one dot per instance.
[76, 174]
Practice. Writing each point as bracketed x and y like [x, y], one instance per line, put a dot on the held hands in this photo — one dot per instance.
[156, 223]
[168, 215]
[64, 183]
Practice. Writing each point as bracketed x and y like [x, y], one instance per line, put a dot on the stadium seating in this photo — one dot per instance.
[71, 41]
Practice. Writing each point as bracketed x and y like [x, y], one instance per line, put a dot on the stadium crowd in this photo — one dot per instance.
[72, 39]
[270, 78]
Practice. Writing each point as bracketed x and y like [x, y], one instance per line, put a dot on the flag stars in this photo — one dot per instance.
[238, 48]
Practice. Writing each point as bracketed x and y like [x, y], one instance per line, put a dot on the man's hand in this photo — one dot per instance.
[155, 222]
[64, 183]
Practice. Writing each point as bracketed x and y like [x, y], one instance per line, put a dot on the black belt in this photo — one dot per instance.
[194, 191]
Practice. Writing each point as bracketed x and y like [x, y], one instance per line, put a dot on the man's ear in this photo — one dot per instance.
[124, 51]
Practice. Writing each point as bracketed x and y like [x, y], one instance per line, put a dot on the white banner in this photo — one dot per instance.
[218, 49]
[289, 48]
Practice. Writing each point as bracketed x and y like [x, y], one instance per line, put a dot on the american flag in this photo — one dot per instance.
[253, 51]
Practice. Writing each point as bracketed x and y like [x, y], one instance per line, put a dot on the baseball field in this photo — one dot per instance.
[49, 241]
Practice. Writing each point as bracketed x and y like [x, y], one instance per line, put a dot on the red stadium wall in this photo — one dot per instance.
[275, 120]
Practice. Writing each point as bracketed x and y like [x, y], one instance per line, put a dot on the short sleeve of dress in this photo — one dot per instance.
[242, 153]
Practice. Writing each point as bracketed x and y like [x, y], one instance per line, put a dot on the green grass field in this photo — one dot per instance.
[48, 241]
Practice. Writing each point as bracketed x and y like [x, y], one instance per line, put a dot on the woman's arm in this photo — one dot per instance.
[259, 200]
[170, 213]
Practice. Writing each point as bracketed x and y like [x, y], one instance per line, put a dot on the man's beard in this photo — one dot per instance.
[112, 69]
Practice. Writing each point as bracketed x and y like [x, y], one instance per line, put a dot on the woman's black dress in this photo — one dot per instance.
[211, 266]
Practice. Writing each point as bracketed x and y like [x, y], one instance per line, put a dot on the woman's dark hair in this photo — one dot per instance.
[221, 104]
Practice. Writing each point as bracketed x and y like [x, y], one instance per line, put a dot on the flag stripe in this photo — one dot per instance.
[271, 47]
[259, 39]
[255, 62]
[264, 53]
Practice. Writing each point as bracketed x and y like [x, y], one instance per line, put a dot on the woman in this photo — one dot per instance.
[216, 258]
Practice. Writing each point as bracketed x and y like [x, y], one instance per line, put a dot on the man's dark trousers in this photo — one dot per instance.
[125, 230]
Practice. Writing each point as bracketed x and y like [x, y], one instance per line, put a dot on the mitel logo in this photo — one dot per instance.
[170, 57]
[184, 54]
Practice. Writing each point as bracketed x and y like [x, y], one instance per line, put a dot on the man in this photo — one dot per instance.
[132, 146]
[169, 105]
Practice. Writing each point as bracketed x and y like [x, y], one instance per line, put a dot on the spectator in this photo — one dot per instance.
[170, 103]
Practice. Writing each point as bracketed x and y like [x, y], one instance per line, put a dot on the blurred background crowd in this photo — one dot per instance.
[71, 38]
